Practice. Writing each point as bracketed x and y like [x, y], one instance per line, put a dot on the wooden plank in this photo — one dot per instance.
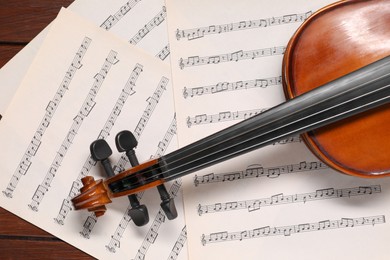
[20, 239]
[7, 52]
[21, 21]
[33, 248]
[12, 225]
[34, 3]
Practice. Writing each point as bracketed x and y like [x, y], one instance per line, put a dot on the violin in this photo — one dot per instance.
[336, 78]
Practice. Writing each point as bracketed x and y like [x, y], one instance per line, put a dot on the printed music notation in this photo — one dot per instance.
[179, 244]
[222, 117]
[157, 222]
[205, 43]
[123, 10]
[231, 86]
[228, 57]
[156, 21]
[192, 34]
[257, 171]
[281, 199]
[83, 113]
[122, 162]
[83, 69]
[152, 234]
[164, 53]
[34, 145]
[159, 219]
[111, 20]
[125, 220]
[88, 226]
[293, 229]
[289, 140]
[128, 90]
[115, 241]
[163, 144]
[152, 103]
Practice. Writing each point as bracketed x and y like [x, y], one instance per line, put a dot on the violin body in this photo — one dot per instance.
[335, 41]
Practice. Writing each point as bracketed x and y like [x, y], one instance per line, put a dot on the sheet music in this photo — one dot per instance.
[143, 20]
[279, 202]
[86, 84]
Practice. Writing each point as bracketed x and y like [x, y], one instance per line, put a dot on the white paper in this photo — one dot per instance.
[124, 18]
[86, 84]
[279, 202]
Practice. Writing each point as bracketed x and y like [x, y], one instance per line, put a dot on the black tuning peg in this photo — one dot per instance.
[126, 142]
[100, 151]
[167, 204]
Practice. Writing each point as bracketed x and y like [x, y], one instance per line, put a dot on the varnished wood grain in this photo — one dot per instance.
[7, 51]
[21, 240]
[20, 22]
[329, 45]
[14, 226]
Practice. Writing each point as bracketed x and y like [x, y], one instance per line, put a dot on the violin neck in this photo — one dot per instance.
[359, 91]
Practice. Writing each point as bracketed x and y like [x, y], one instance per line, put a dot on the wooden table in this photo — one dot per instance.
[20, 22]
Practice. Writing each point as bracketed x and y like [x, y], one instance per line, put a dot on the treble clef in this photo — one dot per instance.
[185, 92]
[178, 36]
[181, 63]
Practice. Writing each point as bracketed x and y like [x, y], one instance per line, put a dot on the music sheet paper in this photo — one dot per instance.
[279, 202]
[139, 22]
[86, 84]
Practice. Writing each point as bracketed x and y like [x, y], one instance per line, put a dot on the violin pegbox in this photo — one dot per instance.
[100, 152]
[126, 142]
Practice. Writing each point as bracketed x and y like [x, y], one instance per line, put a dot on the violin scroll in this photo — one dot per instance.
[94, 196]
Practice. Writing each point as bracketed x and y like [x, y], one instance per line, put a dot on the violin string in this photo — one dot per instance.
[173, 176]
[162, 172]
[300, 119]
[275, 138]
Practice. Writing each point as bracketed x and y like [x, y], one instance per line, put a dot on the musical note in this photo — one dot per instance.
[281, 199]
[47, 149]
[125, 220]
[84, 111]
[87, 227]
[179, 244]
[293, 139]
[257, 171]
[128, 90]
[152, 102]
[231, 86]
[156, 21]
[34, 145]
[193, 34]
[164, 53]
[212, 58]
[163, 145]
[228, 57]
[222, 117]
[116, 238]
[120, 165]
[293, 229]
[158, 221]
[111, 20]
